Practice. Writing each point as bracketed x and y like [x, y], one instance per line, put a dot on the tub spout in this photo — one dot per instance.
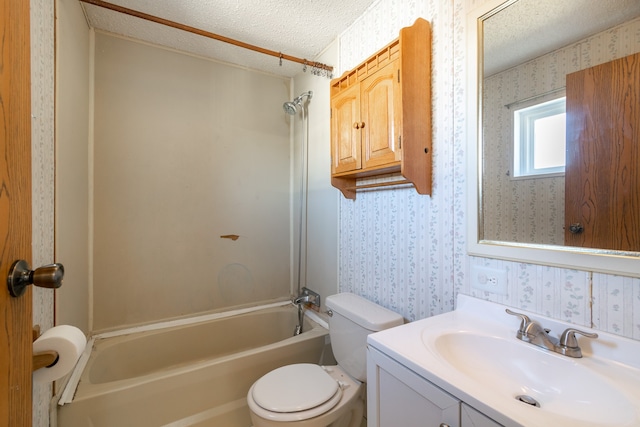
[307, 297]
[302, 299]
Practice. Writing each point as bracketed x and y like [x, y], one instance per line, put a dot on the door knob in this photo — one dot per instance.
[576, 228]
[20, 276]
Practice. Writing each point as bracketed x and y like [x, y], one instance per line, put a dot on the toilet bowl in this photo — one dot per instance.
[307, 395]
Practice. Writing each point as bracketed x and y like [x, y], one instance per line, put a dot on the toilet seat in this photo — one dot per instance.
[294, 392]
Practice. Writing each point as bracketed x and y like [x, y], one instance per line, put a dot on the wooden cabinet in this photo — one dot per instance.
[345, 131]
[380, 111]
[381, 115]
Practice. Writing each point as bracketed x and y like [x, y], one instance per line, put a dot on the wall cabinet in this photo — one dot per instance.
[381, 115]
[397, 396]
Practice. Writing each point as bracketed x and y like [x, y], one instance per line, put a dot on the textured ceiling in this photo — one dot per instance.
[303, 28]
[297, 28]
[530, 28]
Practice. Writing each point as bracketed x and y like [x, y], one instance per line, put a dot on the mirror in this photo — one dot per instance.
[519, 54]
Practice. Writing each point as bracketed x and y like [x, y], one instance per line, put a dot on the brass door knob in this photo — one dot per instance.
[20, 276]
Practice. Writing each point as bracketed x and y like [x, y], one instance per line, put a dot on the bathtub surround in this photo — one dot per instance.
[83, 205]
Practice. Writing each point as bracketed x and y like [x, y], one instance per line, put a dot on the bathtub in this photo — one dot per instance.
[191, 375]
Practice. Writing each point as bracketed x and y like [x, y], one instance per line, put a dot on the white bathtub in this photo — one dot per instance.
[192, 375]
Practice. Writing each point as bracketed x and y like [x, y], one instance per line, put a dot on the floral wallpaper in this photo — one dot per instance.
[396, 247]
[408, 252]
[42, 135]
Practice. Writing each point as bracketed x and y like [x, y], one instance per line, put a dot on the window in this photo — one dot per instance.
[540, 139]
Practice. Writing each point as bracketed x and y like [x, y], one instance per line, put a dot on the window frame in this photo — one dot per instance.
[523, 143]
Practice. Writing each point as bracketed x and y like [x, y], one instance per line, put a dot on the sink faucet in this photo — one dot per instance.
[535, 334]
[532, 332]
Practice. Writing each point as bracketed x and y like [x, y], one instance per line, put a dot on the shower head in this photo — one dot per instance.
[291, 107]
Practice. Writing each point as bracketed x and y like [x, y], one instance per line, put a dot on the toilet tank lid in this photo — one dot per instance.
[365, 313]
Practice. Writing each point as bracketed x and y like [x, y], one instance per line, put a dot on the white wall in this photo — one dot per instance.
[408, 252]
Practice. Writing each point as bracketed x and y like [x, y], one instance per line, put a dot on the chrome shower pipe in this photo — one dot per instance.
[291, 108]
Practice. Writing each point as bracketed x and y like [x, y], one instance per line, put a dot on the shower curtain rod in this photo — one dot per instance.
[203, 33]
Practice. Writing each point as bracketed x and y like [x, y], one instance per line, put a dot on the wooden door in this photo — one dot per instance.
[345, 131]
[380, 112]
[15, 211]
[602, 181]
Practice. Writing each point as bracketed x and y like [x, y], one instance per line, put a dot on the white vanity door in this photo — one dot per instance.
[470, 417]
[397, 396]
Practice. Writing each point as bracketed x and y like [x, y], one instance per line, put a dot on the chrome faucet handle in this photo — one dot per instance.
[524, 322]
[568, 338]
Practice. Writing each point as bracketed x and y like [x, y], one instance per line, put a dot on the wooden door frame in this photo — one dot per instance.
[15, 210]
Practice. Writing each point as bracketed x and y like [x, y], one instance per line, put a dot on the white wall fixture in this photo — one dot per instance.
[489, 279]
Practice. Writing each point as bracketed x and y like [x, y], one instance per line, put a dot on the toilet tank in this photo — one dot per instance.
[355, 317]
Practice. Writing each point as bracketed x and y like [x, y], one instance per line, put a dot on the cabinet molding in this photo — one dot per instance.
[381, 115]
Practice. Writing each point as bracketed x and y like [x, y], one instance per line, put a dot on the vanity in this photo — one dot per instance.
[468, 368]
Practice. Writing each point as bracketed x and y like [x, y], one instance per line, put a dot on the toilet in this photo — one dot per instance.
[308, 395]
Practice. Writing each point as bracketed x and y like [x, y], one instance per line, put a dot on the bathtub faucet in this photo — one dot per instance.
[304, 299]
[307, 297]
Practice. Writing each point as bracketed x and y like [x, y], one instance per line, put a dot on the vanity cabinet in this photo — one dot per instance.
[470, 417]
[381, 115]
[397, 396]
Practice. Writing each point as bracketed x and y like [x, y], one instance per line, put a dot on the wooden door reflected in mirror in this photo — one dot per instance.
[602, 204]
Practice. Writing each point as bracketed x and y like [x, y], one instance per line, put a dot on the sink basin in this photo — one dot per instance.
[473, 354]
[509, 368]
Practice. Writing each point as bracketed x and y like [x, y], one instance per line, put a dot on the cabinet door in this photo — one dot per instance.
[345, 131]
[470, 417]
[381, 115]
[397, 396]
